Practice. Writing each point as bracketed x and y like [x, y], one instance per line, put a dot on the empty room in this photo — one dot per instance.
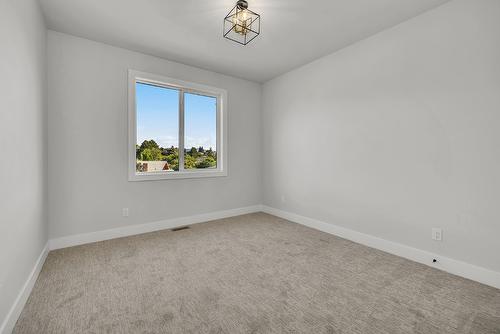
[253, 167]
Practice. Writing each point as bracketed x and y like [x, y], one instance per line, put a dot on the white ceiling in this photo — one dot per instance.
[293, 32]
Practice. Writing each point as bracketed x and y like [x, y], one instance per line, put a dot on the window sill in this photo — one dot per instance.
[151, 176]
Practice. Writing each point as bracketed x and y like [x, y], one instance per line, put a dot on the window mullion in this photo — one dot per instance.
[181, 130]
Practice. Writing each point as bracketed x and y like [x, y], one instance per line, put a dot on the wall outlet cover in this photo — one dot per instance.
[437, 234]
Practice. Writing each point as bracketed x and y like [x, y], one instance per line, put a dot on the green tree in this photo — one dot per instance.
[211, 153]
[152, 150]
[137, 151]
[174, 164]
[171, 150]
[193, 152]
[189, 162]
[172, 157]
[151, 154]
[208, 162]
[149, 144]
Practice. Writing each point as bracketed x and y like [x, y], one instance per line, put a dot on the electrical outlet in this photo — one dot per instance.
[283, 199]
[437, 234]
[125, 212]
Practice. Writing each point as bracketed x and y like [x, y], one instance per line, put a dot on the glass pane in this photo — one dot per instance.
[157, 146]
[200, 134]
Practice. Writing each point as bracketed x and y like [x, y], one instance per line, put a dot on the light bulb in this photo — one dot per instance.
[241, 21]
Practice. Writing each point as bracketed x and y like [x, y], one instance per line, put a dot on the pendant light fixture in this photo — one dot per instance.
[241, 25]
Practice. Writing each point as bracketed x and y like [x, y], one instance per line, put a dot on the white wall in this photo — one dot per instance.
[397, 134]
[88, 124]
[23, 219]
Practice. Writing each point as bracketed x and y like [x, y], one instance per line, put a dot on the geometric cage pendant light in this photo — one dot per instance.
[241, 25]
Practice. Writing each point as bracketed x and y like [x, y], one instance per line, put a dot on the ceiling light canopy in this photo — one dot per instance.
[241, 25]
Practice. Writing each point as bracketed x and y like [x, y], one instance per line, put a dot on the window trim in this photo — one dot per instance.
[183, 87]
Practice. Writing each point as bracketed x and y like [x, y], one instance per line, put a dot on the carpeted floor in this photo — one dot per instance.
[249, 274]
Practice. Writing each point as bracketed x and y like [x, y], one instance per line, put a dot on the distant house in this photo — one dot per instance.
[152, 166]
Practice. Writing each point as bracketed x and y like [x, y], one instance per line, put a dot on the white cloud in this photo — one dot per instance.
[206, 142]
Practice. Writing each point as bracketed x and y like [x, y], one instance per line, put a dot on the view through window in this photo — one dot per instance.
[168, 118]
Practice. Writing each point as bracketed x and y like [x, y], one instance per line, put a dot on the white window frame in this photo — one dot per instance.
[183, 87]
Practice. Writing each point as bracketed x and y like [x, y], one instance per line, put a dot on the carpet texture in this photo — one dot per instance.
[249, 274]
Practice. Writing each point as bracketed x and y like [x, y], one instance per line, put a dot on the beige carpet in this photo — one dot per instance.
[249, 274]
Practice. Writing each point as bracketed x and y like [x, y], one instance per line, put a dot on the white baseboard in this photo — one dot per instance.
[85, 238]
[459, 268]
[16, 309]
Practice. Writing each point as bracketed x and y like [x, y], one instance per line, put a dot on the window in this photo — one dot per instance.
[177, 129]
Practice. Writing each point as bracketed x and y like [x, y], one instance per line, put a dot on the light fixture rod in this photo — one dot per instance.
[242, 4]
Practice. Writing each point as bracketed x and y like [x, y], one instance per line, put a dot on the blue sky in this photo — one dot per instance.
[158, 119]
